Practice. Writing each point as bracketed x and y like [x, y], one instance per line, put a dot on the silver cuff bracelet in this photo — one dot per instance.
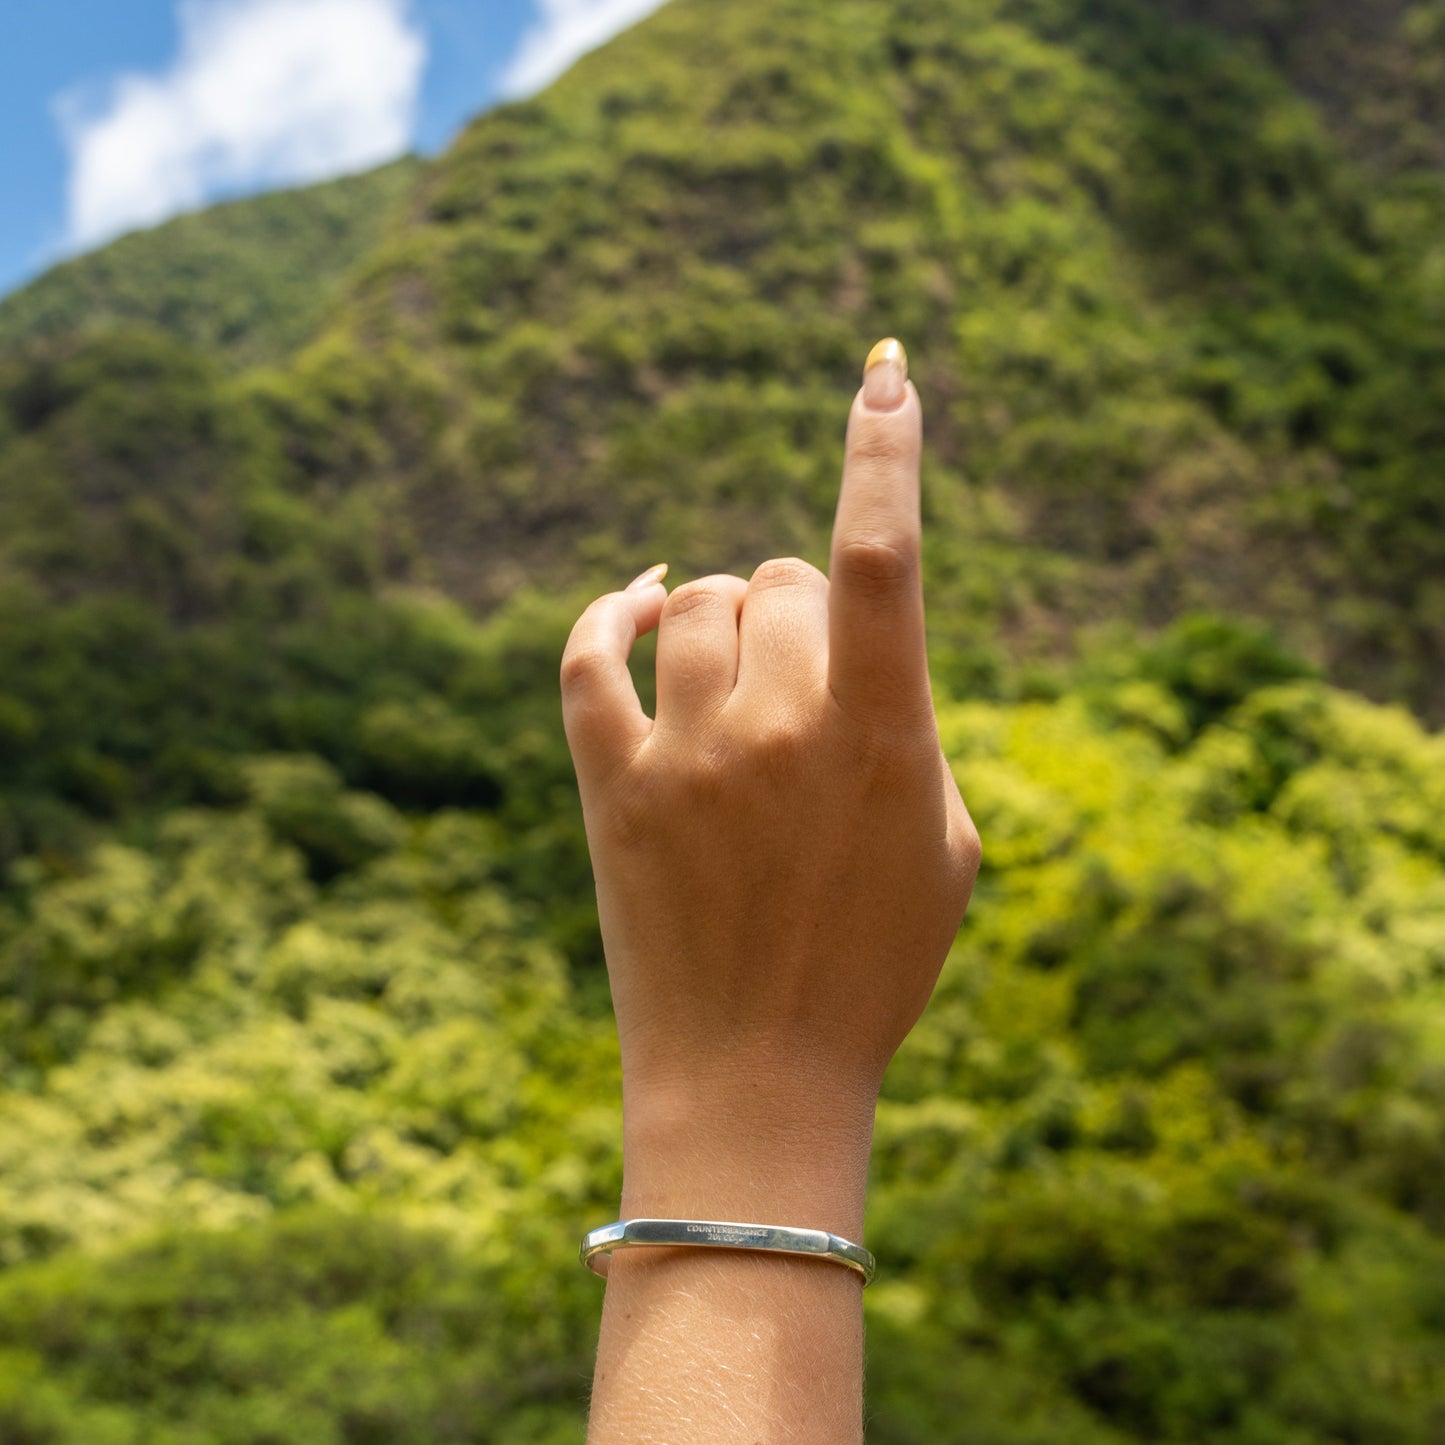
[598, 1244]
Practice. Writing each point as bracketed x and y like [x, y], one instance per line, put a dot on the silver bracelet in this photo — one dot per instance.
[598, 1244]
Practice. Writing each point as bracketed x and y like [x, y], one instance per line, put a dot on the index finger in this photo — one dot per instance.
[876, 653]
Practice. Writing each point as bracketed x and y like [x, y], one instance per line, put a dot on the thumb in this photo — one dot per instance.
[601, 712]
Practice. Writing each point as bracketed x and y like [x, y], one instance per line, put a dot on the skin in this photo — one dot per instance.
[782, 860]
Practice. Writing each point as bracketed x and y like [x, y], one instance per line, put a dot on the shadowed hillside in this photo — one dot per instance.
[1374, 68]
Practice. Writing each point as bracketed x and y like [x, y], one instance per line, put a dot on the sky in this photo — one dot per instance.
[119, 113]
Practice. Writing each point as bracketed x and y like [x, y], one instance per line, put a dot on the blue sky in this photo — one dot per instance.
[117, 113]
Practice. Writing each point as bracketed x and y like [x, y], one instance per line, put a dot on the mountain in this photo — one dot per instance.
[1180, 351]
[1181, 345]
[247, 282]
[308, 1078]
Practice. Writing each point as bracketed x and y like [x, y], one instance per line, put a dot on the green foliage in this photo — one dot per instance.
[303, 803]
[347, 1328]
[1113, 1154]
[1211, 664]
[292, 1079]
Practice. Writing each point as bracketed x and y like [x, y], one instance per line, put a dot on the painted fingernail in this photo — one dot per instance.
[884, 375]
[653, 574]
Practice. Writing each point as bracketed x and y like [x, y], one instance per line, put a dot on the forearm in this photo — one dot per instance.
[721, 1347]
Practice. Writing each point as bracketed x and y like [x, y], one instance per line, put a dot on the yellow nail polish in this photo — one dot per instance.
[884, 375]
[653, 574]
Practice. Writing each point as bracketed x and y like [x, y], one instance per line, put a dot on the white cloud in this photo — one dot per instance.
[564, 31]
[263, 93]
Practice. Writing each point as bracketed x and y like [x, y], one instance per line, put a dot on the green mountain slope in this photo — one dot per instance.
[1180, 350]
[246, 282]
[308, 1081]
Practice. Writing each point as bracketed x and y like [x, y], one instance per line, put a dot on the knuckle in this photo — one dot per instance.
[872, 750]
[700, 598]
[581, 663]
[885, 766]
[781, 745]
[783, 572]
[889, 759]
[877, 563]
[702, 776]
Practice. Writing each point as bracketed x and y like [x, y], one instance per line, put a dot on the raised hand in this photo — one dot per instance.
[782, 857]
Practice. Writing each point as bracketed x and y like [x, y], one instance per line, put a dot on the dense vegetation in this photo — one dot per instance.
[308, 1081]
[247, 282]
[308, 1109]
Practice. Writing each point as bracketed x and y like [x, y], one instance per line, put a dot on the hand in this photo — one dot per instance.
[782, 856]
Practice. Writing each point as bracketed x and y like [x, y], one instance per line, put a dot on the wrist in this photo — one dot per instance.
[742, 1151]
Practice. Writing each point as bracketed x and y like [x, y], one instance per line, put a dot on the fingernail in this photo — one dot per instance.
[653, 574]
[884, 375]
